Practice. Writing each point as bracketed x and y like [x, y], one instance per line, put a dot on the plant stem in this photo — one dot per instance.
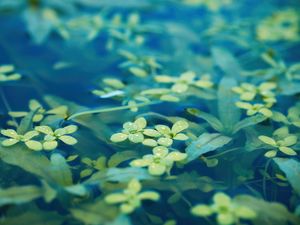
[222, 153]
[101, 110]
[264, 178]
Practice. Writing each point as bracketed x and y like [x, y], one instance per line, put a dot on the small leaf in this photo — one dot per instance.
[34, 145]
[267, 140]
[69, 140]
[270, 154]
[287, 151]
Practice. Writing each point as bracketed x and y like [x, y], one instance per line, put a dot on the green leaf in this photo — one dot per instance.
[120, 175]
[26, 122]
[32, 162]
[291, 169]
[206, 143]
[226, 61]
[19, 195]
[247, 122]
[213, 121]
[120, 157]
[60, 171]
[94, 213]
[229, 114]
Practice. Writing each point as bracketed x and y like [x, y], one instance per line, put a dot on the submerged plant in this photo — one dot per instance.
[281, 141]
[190, 100]
[227, 211]
[184, 81]
[248, 92]
[52, 136]
[41, 111]
[7, 73]
[160, 162]
[14, 138]
[170, 134]
[253, 109]
[132, 197]
[281, 25]
[133, 131]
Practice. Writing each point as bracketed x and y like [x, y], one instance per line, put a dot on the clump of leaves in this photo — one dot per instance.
[281, 25]
[51, 137]
[228, 212]
[41, 111]
[160, 161]
[14, 138]
[132, 197]
[281, 141]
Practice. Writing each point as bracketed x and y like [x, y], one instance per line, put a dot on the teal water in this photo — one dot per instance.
[149, 112]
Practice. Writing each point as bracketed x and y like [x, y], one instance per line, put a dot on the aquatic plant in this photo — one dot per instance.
[149, 112]
[131, 198]
[227, 211]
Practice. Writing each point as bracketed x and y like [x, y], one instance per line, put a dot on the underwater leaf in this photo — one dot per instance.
[94, 213]
[19, 195]
[229, 114]
[268, 213]
[206, 143]
[26, 123]
[60, 171]
[38, 27]
[28, 160]
[120, 175]
[291, 168]
[120, 157]
[78, 190]
[249, 121]
[227, 62]
[212, 120]
[32, 215]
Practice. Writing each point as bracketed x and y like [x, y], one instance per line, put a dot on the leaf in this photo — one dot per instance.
[213, 121]
[78, 190]
[268, 213]
[120, 157]
[120, 175]
[291, 169]
[19, 195]
[229, 114]
[227, 62]
[206, 143]
[32, 162]
[247, 122]
[38, 27]
[94, 213]
[31, 215]
[26, 123]
[60, 171]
